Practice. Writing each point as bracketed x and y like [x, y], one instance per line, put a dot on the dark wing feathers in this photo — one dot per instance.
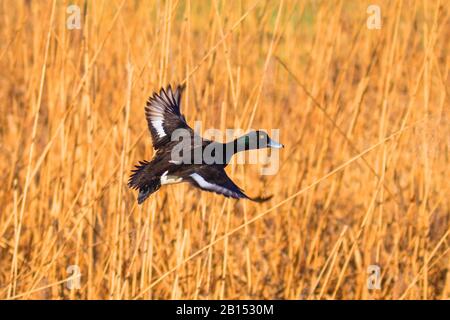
[214, 179]
[163, 115]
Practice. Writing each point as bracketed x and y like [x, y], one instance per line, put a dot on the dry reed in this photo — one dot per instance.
[363, 180]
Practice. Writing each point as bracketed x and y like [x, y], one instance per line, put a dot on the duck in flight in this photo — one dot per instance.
[172, 160]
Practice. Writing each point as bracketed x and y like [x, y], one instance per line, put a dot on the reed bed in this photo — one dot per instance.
[362, 183]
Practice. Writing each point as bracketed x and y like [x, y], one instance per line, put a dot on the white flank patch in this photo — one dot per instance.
[165, 179]
[157, 124]
[210, 186]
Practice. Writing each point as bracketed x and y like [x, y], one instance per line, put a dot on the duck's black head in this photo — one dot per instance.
[256, 140]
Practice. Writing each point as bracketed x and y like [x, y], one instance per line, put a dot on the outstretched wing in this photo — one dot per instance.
[214, 179]
[163, 115]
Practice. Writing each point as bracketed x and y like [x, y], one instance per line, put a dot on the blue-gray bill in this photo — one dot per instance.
[274, 144]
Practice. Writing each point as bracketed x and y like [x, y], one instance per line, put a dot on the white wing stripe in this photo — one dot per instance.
[157, 124]
[210, 186]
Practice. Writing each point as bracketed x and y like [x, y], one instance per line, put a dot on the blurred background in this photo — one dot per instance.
[360, 206]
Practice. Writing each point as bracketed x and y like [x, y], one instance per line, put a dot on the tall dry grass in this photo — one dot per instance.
[363, 180]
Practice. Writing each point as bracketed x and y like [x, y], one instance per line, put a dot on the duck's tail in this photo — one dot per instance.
[145, 185]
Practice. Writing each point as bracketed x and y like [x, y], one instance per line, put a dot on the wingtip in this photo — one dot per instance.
[260, 199]
[181, 87]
